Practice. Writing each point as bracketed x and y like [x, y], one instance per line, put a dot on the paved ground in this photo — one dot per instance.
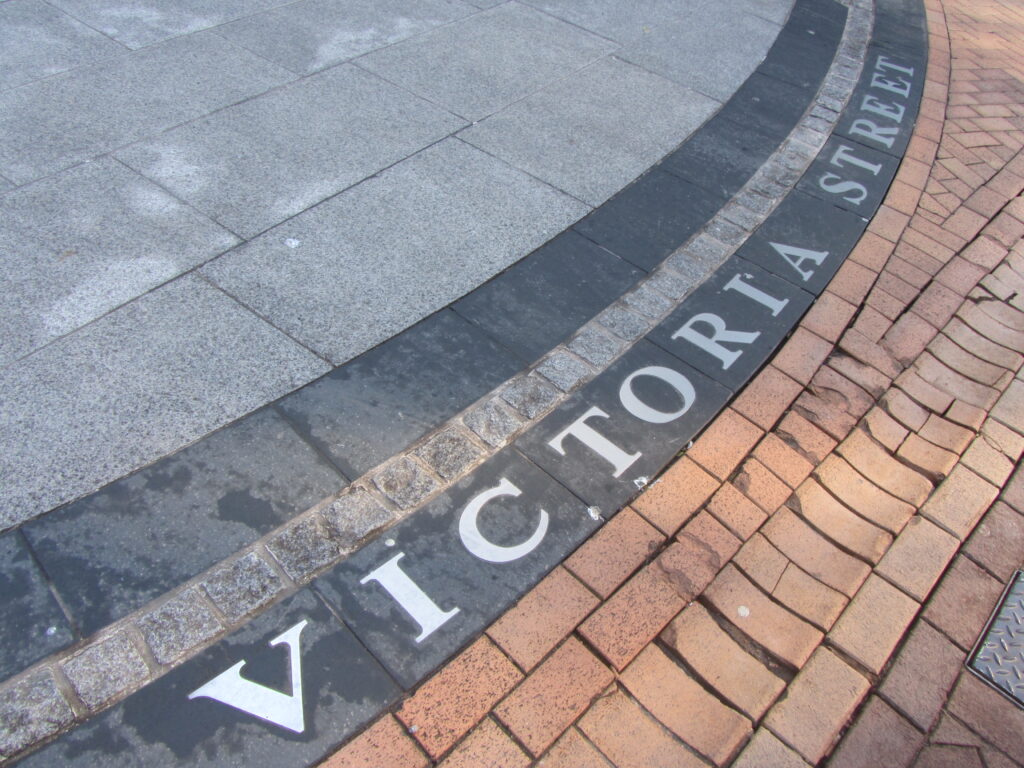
[805, 585]
[207, 205]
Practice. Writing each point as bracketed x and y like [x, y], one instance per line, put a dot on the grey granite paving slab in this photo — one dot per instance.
[137, 23]
[595, 131]
[52, 124]
[37, 40]
[116, 550]
[83, 242]
[365, 412]
[135, 385]
[707, 45]
[311, 35]
[32, 624]
[370, 262]
[254, 164]
[479, 64]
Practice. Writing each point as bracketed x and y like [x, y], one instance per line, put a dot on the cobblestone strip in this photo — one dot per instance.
[759, 596]
[71, 686]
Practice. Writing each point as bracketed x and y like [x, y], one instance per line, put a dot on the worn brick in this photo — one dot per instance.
[782, 460]
[724, 444]
[814, 553]
[809, 598]
[962, 603]
[805, 438]
[908, 337]
[998, 541]
[818, 705]
[929, 459]
[831, 385]
[884, 428]
[871, 460]
[762, 562]
[782, 633]
[829, 315]
[766, 750]
[850, 531]
[761, 486]
[904, 410]
[937, 304]
[766, 398]
[881, 736]
[633, 739]
[706, 532]
[923, 392]
[383, 743]
[803, 354]
[828, 413]
[965, 363]
[573, 751]
[870, 322]
[614, 552]
[684, 707]
[737, 676]
[965, 414]
[1010, 408]
[922, 675]
[554, 695]
[540, 621]
[918, 557]
[735, 511]
[447, 706]
[852, 282]
[947, 756]
[633, 616]
[873, 623]
[864, 376]
[990, 328]
[991, 715]
[988, 461]
[676, 496]
[960, 501]
[946, 434]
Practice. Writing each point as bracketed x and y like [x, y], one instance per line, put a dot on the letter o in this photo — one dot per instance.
[641, 410]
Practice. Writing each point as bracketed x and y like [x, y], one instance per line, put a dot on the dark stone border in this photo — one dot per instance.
[440, 576]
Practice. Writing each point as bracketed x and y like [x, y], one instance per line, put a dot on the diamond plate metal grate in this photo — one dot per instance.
[998, 658]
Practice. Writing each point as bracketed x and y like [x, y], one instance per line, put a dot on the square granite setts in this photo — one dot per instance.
[730, 325]
[369, 409]
[311, 681]
[115, 550]
[456, 564]
[624, 426]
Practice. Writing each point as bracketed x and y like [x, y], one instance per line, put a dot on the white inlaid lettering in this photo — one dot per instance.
[407, 593]
[641, 410]
[751, 292]
[595, 441]
[883, 108]
[896, 85]
[844, 154]
[869, 129]
[796, 257]
[831, 182]
[481, 547]
[883, 63]
[714, 344]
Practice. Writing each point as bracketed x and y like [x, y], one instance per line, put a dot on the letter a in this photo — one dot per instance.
[231, 688]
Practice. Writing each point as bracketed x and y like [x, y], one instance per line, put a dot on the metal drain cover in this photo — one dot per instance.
[998, 658]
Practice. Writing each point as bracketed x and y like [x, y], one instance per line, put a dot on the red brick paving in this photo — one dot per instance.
[803, 586]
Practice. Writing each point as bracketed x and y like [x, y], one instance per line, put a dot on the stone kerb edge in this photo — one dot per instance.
[268, 571]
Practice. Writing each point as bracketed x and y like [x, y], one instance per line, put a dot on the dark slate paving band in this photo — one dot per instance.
[415, 596]
[114, 551]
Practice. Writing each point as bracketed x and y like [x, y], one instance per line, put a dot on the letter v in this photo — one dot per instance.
[231, 688]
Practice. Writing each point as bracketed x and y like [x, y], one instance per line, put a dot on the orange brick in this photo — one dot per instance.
[936, 304]
[852, 282]
[828, 412]
[614, 552]
[872, 461]
[918, 557]
[761, 486]
[809, 598]
[540, 621]
[573, 751]
[967, 415]
[633, 739]
[851, 532]
[885, 303]
[814, 553]
[767, 397]
[829, 316]
[989, 714]
[963, 602]
[554, 695]
[986, 460]
[818, 705]
[738, 677]
[832, 386]
[904, 410]
[931, 460]
[923, 392]
[681, 704]
[383, 742]
[863, 496]
[885, 429]
[991, 329]
[984, 252]
[734, 510]
[903, 197]
[959, 502]
[782, 460]
[881, 736]
[676, 495]
[455, 699]
[802, 355]
[867, 378]
[782, 633]
[965, 223]
[873, 624]
[889, 222]
[872, 323]
[981, 346]
[487, 747]
[707, 532]
[963, 362]
[868, 352]
[634, 615]
[956, 384]
[805, 438]
[960, 275]
[946, 434]
[724, 444]
[761, 562]
[908, 337]
[766, 750]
